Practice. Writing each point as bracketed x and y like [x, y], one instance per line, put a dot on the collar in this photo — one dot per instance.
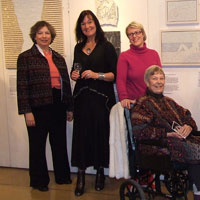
[150, 93]
[139, 50]
[40, 50]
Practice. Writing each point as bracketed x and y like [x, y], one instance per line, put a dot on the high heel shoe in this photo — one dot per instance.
[80, 184]
[100, 178]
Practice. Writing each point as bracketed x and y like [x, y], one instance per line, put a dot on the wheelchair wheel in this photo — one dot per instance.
[177, 183]
[131, 190]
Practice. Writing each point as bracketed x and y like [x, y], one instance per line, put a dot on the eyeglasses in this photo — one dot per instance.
[136, 33]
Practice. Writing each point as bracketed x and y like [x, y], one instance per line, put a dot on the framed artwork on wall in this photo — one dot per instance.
[14, 17]
[180, 47]
[182, 11]
[115, 39]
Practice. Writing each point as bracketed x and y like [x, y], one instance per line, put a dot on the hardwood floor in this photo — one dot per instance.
[14, 185]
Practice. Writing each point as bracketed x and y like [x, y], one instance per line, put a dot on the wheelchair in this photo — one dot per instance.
[174, 175]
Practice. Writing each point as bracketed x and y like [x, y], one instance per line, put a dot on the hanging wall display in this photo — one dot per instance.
[114, 38]
[107, 12]
[180, 47]
[182, 11]
[16, 23]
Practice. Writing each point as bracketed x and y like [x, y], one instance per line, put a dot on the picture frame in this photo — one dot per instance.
[180, 47]
[182, 11]
[115, 38]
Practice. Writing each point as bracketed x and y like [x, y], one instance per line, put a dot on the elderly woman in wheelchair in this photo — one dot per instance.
[159, 119]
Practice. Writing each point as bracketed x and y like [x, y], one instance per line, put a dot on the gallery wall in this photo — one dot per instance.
[151, 13]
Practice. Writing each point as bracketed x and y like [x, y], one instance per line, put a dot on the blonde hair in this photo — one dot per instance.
[134, 24]
[151, 71]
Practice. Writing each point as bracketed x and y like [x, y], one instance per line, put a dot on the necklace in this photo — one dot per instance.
[88, 50]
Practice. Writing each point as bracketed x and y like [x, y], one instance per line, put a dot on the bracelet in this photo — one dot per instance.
[101, 76]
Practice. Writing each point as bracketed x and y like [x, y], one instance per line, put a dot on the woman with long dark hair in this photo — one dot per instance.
[93, 98]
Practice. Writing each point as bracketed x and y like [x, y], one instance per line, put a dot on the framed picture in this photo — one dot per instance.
[180, 47]
[182, 11]
[115, 39]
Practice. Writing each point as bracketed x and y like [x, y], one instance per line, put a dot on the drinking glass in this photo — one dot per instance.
[77, 67]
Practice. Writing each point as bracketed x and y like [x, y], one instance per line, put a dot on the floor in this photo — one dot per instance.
[14, 185]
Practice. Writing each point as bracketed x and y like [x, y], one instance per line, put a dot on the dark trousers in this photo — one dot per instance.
[50, 120]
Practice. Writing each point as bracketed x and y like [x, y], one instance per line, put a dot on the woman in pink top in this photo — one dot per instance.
[132, 65]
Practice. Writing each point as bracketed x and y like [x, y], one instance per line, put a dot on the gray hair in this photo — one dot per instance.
[135, 24]
[151, 71]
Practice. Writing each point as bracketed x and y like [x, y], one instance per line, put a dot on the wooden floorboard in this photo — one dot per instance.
[14, 185]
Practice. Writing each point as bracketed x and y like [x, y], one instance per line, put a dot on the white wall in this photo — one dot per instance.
[4, 144]
[13, 134]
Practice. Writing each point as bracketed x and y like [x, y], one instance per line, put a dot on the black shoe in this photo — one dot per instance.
[69, 181]
[100, 178]
[41, 188]
[80, 184]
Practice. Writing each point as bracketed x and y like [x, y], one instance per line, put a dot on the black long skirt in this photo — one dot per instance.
[90, 144]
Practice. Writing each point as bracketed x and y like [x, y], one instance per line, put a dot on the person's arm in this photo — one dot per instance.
[184, 114]
[75, 75]
[29, 118]
[23, 91]
[181, 132]
[126, 103]
[158, 59]
[23, 85]
[111, 63]
[142, 120]
[122, 70]
[87, 74]
[66, 86]
[69, 116]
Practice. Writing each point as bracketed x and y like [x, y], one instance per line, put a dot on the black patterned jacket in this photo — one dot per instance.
[34, 81]
[152, 118]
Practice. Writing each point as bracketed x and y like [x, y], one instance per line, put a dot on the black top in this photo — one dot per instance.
[102, 59]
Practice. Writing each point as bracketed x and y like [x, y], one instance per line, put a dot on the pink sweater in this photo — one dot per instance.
[130, 71]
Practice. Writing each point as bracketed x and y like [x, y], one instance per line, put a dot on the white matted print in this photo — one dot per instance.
[180, 47]
[182, 11]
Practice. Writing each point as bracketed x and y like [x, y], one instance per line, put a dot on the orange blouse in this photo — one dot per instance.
[54, 73]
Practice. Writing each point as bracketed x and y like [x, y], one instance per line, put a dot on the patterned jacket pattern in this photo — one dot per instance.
[152, 118]
[34, 81]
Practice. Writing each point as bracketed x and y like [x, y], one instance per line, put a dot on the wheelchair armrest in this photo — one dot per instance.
[153, 142]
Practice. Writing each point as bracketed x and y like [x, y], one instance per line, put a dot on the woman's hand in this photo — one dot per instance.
[174, 134]
[75, 75]
[29, 118]
[89, 74]
[126, 103]
[183, 132]
[69, 116]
